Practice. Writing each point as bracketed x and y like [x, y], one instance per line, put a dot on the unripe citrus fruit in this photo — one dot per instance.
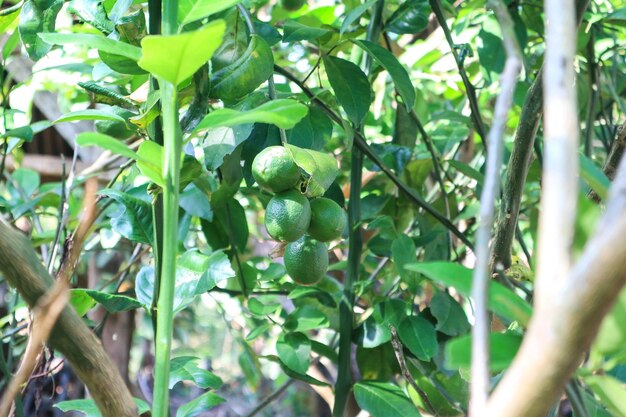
[292, 5]
[328, 220]
[275, 170]
[306, 260]
[287, 216]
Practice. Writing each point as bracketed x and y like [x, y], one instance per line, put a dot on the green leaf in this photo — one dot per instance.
[114, 303]
[295, 31]
[502, 348]
[502, 301]
[199, 405]
[187, 368]
[6, 20]
[81, 301]
[611, 392]
[305, 318]
[93, 41]
[284, 113]
[37, 16]
[196, 202]
[312, 132]
[106, 142]
[92, 12]
[294, 350]
[217, 268]
[150, 162]
[175, 58]
[410, 18]
[319, 166]
[594, 176]
[383, 399]
[89, 409]
[611, 338]
[398, 74]
[451, 318]
[351, 87]
[89, 114]
[355, 14]
[192, 10]
[372, 332]
[419, 336]
[468, 171]
[135, 222]
[258, 308]
[404, 252]
[220, 142]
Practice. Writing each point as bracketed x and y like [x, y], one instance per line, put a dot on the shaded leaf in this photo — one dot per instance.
[187, 368]
[37, 16]
[294, 350]
[93, 41]
[383, 399]
[319, 166]
[502, 348]
[419, 336]
[351, 87]
[106, 142]
[199, 405]
[410, 18]
[451, 318]
[135, 222]
[295, 31]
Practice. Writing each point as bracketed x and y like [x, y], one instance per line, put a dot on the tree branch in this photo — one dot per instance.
[519, 162]
[552, 351]
[24, 271]
[480, 284]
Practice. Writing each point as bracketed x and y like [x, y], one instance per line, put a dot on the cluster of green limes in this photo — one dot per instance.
[291, 217]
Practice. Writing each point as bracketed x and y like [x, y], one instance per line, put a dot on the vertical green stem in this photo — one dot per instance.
[171, 173]
[355, 247]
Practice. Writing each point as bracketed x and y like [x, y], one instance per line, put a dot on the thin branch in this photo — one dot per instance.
[519, 162]
[469, 88]
[397, 348]
[480, 285]
[552, 351]
[270, 398]
[560, 164]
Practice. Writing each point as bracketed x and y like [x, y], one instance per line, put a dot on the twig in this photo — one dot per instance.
[361, 144]
[438, 386]
[397, 348]
[268, 400]
[469, 88]
[561, 133]
[480, 382]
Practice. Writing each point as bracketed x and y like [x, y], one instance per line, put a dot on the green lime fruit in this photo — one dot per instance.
[306, 260]
[287, 216]
[275, 170]
[328, 220]
[292, 5]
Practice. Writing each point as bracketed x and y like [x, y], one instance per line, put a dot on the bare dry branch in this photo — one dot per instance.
[480, 332]
[562, 329]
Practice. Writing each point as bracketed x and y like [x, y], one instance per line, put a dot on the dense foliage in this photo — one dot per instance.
[384, 106]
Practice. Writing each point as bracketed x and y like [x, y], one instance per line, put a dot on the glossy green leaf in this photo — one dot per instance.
[502, 349]
[175, 58]
[81, 301]
[396, 71]
[284, 113]
[351, 87]
[321, 168]
[355, 14]
[114, 303]
[150, 162]
[93, 41]
[196, 202]
[192, 10]
[135, 222]
[611, 392]
[594, 177]
[383, 399]
[410, 18]
[106, 142]
[294, 350]
[199, 405]
[451, 319]
[37, 16]
[404, 252]
[89, 409]
[187, 368]
[90, 114]
[295, 31]
[419, 336]
[92, 12]
[502, 300]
